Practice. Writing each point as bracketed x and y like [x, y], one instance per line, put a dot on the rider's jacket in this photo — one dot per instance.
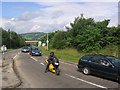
[52, 59]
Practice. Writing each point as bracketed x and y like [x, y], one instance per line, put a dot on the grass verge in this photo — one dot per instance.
[71, 54]
[7, 50]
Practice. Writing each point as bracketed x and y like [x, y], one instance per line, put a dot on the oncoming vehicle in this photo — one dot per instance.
[106, 66]
[35, 51]
[25, 49]
[54, 68]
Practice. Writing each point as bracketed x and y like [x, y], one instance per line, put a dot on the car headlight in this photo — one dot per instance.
[33, 52]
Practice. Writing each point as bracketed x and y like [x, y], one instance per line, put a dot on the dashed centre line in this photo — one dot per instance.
[100, 86]
[42, 64]
[34, 59]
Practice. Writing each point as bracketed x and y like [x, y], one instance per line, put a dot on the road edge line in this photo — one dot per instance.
[88, 82]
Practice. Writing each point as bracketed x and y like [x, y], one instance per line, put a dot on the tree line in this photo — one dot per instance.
[32, 36]
[11, 39]
[84, 35]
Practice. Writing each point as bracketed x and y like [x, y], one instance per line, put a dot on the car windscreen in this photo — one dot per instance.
[35, 49]
[25, 47]
[114, 61]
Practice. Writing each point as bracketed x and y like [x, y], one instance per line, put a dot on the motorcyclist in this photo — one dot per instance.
[51, 60]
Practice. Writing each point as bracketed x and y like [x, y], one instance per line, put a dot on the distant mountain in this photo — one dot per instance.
[32, 36]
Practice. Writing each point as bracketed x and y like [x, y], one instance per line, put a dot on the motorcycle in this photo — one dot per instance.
[55, 68]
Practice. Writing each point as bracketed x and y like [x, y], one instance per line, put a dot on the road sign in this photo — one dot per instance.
[39, 43]
[3, 48]
[43, 44]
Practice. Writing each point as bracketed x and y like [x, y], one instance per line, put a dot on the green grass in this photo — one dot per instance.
[71, 54]
[7, 50]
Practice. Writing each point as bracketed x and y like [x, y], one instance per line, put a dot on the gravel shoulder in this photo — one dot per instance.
[9, 77]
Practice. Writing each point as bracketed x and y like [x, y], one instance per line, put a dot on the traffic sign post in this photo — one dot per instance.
[3, 48]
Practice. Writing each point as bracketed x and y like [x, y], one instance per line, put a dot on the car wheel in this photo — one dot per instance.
[86, 70]
[118, 79]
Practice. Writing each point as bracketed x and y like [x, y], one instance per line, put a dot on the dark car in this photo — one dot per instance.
[25, 49]
[35, 51]
[31, 48]
[106, 66]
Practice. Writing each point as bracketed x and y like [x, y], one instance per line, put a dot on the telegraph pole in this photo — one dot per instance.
[47, 41]
[10, 38]
[81, 15]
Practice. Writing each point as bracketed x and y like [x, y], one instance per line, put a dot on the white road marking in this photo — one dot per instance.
[86, 81]
[14, 56]
[19, 52]
[42, 64]
[34, 59]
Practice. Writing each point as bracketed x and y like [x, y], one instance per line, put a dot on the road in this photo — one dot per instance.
[31, 70]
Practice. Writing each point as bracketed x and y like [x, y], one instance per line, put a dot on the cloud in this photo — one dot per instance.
[12, 19]
[35, 28]
[62, 1]
[29, 15]
[58, 15]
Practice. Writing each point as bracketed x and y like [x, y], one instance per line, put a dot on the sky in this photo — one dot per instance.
[24, 17]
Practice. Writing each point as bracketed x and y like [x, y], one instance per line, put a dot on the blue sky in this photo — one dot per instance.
[14, 9]
[52, 16]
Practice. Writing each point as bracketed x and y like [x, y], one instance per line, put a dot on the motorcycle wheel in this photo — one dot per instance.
[57, 71]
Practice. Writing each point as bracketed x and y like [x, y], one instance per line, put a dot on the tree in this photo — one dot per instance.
[11, 39]
[59, 41]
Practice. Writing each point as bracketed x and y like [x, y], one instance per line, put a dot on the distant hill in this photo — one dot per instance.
[32, 36]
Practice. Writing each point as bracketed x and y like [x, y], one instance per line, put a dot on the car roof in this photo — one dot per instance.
[25, 47]
[35, 48]
[99, 55]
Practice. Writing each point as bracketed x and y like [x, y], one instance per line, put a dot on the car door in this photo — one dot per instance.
[94, 65]
[107, 69]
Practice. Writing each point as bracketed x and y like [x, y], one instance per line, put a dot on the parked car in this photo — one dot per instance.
[25, 49]
[35, 51]
[106, 66]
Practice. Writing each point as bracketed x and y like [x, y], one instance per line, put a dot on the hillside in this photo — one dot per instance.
[32, 36]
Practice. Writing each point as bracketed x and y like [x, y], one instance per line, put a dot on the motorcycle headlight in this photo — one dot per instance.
[56, 63]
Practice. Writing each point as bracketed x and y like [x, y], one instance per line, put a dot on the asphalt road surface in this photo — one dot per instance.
[31, 70]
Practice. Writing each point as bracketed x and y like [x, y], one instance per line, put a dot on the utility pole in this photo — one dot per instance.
[81, 15]
[10, 37]
[47, 41]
